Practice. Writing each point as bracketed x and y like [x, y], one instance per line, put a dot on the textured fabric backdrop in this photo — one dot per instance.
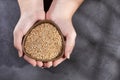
[96, 55]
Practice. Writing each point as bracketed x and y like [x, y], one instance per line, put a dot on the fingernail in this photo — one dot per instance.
[54, 65]
[42, 67]
[34, 65]
[68, 57]
[49, 66]
[19, 54]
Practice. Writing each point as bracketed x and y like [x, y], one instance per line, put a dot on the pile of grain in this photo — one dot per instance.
[44, 42]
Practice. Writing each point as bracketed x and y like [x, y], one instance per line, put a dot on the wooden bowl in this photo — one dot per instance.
[44, 41]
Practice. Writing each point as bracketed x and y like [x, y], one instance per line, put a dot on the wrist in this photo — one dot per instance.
[63, 8]
[31, 6]
[58, 10]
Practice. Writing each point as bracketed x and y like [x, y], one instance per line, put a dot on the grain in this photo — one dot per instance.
[43, 42]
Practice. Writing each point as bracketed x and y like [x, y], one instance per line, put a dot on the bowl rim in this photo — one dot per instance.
[35, 25]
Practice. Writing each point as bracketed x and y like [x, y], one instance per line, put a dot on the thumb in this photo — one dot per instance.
[70, 42]
[17, 42]
[17, 34]
[20, 30]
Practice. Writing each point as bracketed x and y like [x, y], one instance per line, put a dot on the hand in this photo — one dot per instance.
[60, 12]
[69, 33]
[31, 11]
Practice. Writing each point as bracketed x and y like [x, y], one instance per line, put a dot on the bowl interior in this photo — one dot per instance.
[35, 25]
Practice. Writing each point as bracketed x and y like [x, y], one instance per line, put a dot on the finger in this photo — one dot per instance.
[57, 62]
[18, 38]
[21, 29]
[48, 64]
[17, 44]
[20, 53]
[39, 63]
[28, 25]
[31, 61]
[70, 42]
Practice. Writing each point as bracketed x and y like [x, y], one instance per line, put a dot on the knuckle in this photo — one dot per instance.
[15, 45]
[50, 16]
[16, 32]
[70, 47]
[48, 65]
[41, 16]
[37, 16]
[68, 50]
[74, 34]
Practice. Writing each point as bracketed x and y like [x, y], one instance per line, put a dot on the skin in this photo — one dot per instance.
[31, 11]
[61, 12]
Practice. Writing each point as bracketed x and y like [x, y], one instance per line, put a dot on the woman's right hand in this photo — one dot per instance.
[31, 11]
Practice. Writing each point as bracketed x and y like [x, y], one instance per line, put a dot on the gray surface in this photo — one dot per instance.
[96, 55]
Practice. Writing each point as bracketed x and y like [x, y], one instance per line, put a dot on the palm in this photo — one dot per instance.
[28, 17]
[69, 33]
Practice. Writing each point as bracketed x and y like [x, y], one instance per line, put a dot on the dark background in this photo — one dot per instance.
[96, 55]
